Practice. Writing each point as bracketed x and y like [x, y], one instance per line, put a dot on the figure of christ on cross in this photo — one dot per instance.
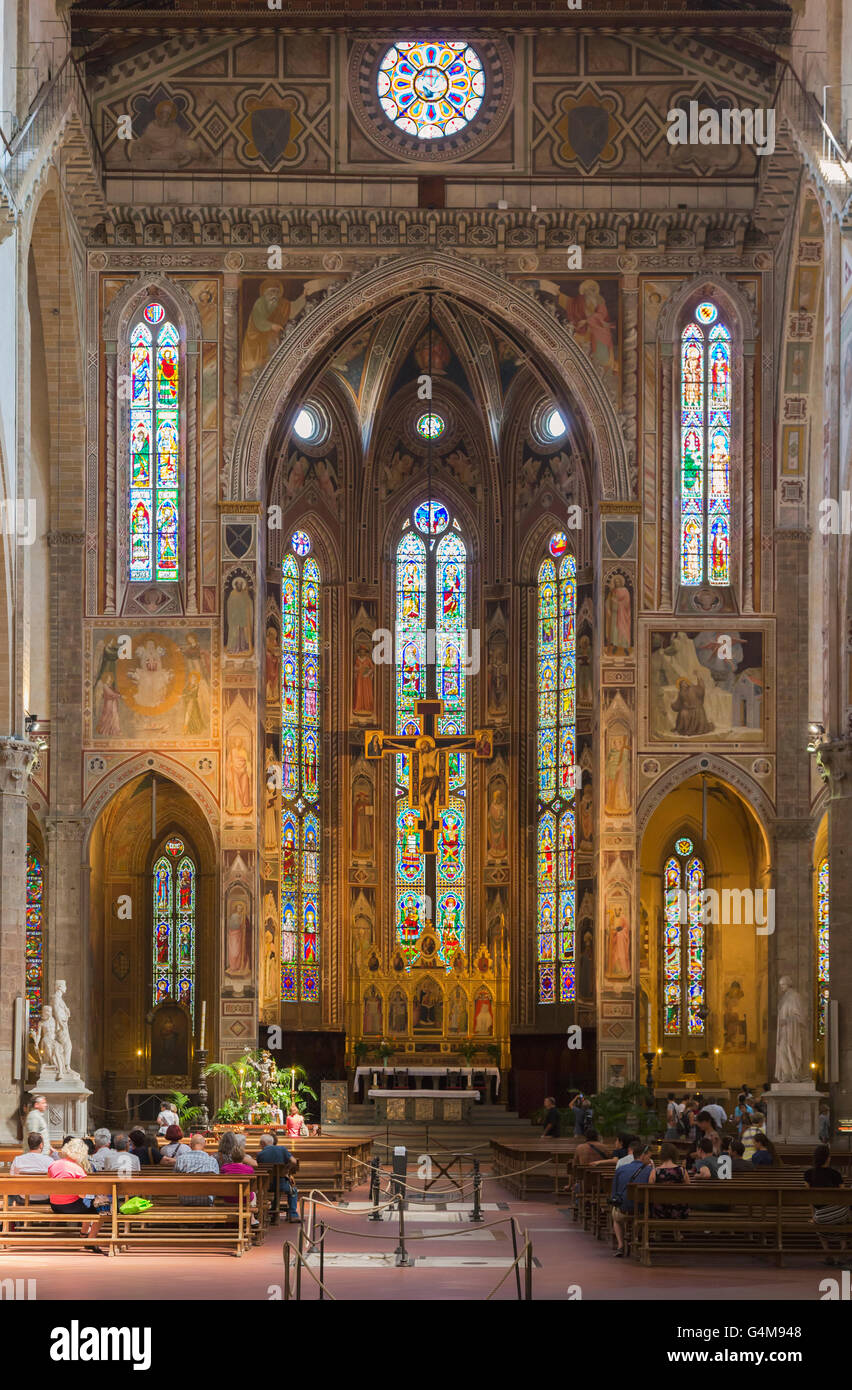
[427, 764]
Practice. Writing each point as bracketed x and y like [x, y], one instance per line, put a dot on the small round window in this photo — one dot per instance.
[431, 90]
[430, 426]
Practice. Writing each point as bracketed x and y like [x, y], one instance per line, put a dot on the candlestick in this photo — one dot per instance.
[203, 1023]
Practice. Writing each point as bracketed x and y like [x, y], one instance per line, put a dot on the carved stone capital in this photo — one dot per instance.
[18, 759]
[834, 761]
[66, 828]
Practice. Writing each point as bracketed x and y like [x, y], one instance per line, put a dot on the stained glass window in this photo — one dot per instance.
[823, 980]
[684, 964]
[175, 881]
[430, 90]
[431, 624]
[154, 494]
[556, 679]
[300, 774]
[430, 426]
[705, 449]
[35, 934]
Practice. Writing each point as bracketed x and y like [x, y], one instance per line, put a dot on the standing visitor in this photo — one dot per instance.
[551, 1119]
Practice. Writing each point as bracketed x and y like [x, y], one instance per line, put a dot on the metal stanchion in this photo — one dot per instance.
[286, 1271]
[403, 1260]
[515, 1254]
[322, 1259]
[400, 1170]
[476, 1214]
[375, 1214]
[528, 1270]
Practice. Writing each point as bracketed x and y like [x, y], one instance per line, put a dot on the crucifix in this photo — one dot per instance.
[427, 764]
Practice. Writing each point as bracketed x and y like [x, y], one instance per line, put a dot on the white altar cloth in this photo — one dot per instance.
[466, 1072]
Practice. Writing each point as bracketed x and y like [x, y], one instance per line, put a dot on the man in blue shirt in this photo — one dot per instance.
[639, 1170]
[272, 1150]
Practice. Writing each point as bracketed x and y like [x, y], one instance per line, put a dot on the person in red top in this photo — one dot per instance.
[73, 1162]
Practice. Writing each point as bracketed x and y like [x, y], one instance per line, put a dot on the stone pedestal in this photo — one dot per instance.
[792, 1112]
[67, 1103]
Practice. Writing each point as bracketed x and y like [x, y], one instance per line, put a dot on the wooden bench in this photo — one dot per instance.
[771, 1218]
[550, 1160]
[166, 1224]
[334, 1166]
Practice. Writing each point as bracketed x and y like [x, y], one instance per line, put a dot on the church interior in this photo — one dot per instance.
[425, 667]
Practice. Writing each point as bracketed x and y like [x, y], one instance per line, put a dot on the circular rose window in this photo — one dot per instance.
[435, 100]
[431, 90]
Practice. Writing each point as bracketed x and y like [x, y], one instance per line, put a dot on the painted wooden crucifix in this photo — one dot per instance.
[427, 764]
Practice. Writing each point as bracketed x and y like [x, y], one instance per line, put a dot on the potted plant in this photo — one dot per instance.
[468, 1050]
[187, 1114]
[360, 1050]
[384, 1050]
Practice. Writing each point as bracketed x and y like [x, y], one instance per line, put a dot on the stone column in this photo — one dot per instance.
[834, 758]
[68, 948]
[18, 757]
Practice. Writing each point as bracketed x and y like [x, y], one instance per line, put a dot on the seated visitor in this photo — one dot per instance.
[551, 1119]
[764, 1155]
[706, 1161]
[32, 1163]
[233, 1160]
[743, 1113]
[173, 1145]
[748, 1136]
[823, 1175]
[637, 1170]
[590, 1151]
[102, 1140]
[621, 1151]
[739, 1163]
[119, 1159]
[669, 1170]
[144, 1146]
[195, 1159]
[73, 1162]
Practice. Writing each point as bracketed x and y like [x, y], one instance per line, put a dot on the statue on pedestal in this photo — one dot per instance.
[44, 1037]
[62, 1016]
[790, 1035]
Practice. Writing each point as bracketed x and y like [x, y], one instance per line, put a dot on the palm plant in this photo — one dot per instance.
[187, 1114]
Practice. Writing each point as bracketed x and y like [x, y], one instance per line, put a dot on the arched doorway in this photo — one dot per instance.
[707, 915]
[153, 940]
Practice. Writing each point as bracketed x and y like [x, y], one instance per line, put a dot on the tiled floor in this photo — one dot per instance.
[454, 1258]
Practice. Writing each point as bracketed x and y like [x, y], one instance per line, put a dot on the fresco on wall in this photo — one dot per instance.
[707, 685]
[267, 304]
[149, 685]
[588, 307]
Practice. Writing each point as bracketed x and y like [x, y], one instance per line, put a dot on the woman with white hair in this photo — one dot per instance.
[73, 1162]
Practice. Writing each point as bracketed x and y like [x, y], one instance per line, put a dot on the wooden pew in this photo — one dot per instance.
[769, 1215]
[167, 1224]
[550, 1159]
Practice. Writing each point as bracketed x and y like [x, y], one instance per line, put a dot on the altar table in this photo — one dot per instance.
[425, 1107]
[415, 1072]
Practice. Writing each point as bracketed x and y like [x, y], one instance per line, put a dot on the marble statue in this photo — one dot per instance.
[62, 1015]
[790, 1037]
[44, 1037]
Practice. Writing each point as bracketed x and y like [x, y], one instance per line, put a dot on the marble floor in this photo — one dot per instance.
[453, 1259]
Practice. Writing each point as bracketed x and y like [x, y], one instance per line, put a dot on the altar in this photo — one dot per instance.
[452, 1079]
[427, 1107]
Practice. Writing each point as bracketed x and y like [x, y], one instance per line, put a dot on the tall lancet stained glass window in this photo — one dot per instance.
[823, 979]
[684, 965]
[705, 449]
[154, 463]
[431, 647]
[175, 886]
[555, 826]
[35, 933]
[300, 773]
